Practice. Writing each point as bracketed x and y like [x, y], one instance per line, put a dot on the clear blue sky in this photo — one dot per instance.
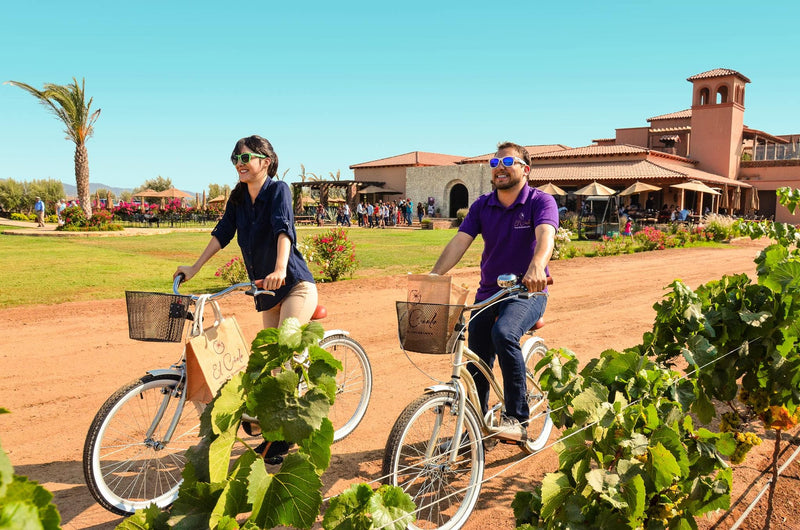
[333, 84]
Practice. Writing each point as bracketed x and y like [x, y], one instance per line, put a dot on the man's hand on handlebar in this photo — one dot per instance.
[535, 280]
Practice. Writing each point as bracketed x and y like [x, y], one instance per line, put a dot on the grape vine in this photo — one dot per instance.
[630, 454]
[221, 495]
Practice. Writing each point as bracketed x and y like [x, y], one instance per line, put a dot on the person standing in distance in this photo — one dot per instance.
[518, 225]
[38, 207]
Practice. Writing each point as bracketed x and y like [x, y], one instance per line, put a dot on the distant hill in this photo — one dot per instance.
[72, 190]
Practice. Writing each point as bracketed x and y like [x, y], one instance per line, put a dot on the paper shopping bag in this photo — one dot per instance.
[430, 289]
[426, 320]
[213, 357]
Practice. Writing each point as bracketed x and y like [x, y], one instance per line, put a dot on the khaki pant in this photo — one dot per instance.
[301, 302]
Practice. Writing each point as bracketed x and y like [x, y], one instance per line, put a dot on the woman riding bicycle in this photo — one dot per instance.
[518, 225]
[259, 212]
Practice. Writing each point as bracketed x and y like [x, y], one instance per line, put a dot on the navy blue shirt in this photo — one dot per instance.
[257, 227]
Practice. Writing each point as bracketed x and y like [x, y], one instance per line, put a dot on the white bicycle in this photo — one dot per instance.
[135, 448]
[435, 450]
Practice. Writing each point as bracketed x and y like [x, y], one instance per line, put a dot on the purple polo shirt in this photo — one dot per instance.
[508, 233]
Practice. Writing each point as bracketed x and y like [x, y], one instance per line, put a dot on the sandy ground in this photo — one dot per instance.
[59, 363]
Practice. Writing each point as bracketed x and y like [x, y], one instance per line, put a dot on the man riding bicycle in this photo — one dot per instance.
[518, 225]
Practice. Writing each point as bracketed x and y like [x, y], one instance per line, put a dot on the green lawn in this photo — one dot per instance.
[48, 270]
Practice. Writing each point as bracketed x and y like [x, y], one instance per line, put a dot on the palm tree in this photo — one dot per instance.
[68, 103]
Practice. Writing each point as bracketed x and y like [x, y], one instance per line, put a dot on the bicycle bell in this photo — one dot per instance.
[507, 280]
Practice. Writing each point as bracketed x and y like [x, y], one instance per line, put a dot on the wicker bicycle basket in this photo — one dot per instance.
[157, 317]
[426, 328]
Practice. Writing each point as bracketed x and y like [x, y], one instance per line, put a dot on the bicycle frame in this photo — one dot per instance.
[180, 368]
[462, 382]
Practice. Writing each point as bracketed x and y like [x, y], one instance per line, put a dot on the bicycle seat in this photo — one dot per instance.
[539, 325]
[319, 313]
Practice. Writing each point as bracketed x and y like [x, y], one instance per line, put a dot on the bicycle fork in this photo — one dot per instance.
[158, 445]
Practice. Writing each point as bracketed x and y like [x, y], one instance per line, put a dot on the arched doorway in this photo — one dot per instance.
[459, 198]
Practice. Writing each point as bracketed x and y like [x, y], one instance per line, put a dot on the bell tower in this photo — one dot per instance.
[717, 120]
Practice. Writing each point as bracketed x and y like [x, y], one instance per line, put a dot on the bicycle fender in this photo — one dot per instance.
[531, 342]
[439, 388]
[332, 332]
[165, 371]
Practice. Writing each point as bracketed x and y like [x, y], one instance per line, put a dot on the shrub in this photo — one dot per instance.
[562, 243]
[569, 220]
[612, 246]
[233, 272]
[333, 252]
[460, 215]
[650, 238]
[75, 221]
[721, 226]
[20, 217]
[427, 224]
[74, 218]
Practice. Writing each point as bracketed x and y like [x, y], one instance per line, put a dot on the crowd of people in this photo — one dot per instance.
[378, 214]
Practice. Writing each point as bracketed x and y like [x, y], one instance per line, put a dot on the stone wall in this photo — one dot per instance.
[438, 182]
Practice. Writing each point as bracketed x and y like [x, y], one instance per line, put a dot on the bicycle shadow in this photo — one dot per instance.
[76, 505]
[352, 468]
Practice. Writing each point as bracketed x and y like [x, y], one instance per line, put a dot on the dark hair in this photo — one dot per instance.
[253, 144]
[261, 146]
[521, 151]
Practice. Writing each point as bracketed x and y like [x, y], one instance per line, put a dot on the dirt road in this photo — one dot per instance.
[59, 363]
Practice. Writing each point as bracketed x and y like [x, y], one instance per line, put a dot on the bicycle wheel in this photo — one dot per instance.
[124, 468]
[353, 384]
[445, 492]
[539, 423]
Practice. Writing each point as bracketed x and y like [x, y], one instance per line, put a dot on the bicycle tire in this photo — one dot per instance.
[123, 470]
[353, 384]
[445, 494]
[540, 424]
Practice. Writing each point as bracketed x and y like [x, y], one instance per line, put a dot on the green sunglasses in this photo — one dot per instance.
[244, 158]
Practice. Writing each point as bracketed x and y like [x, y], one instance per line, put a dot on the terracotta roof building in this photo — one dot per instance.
[707, 142]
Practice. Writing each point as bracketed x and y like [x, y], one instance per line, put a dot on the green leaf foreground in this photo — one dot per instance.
[630, 455]
[24, 504]
[222, 494]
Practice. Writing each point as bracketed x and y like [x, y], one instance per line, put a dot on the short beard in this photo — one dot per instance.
[510, 183]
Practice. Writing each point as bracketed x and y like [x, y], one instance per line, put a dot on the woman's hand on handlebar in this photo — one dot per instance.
[188, 272]
[274, 280]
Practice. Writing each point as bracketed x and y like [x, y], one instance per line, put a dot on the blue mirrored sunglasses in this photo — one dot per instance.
[507, 161]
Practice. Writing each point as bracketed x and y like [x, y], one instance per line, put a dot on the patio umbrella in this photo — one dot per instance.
[173, 193]
[147, 193]
[725, 200]
[551, 188]
[218, 198]
[595, 188]
[638, 187]
[737, 198]
[695, 185]
[754, 199]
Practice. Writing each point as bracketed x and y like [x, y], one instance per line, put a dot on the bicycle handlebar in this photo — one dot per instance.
[250, 288]
[516, 288]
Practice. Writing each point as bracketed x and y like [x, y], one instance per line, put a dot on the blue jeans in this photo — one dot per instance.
[496, 332]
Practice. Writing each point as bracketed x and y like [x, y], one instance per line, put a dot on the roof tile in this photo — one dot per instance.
[673, 115]
[414, 158]
[717, 72]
